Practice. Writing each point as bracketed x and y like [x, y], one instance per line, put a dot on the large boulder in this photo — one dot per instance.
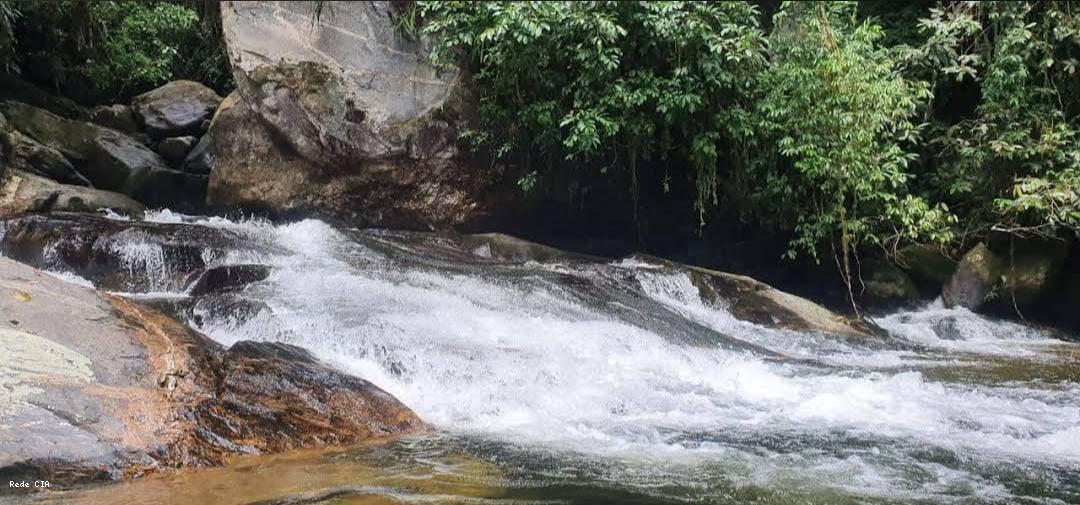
[176, 109]
[22, 193]
[116, 389]
[109, 159]
[974, 279]
[347, 117]
[29, 155]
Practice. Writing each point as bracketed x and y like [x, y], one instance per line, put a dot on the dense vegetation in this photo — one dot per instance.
[850, 126]
[109, 50]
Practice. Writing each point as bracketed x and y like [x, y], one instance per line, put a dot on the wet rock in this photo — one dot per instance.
[347, 119]
[175, 109]
[175, 149]
[117, 116]
[973, 280]
[228, 278]
[22, 193]
[29, 155]
[200, 160]
[115, 389]
[127, 256]
[107, 158]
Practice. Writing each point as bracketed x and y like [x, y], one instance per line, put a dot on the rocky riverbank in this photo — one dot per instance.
[101, 387]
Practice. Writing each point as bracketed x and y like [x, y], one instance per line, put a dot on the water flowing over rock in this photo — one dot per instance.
[115, 389]
[346, 118]
[572, 371]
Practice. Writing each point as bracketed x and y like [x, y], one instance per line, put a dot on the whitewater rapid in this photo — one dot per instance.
[507, 354]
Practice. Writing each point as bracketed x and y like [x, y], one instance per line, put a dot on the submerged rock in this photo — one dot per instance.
[22, 193]
[342, 115]
[115, 389]
[175, 109]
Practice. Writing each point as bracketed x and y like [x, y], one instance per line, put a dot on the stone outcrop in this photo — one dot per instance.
[22, 193]
[116, 389]
[176, 109]
[107, 158]
[343, 115]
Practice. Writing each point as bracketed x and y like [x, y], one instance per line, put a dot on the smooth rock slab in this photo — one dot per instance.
[115, 389]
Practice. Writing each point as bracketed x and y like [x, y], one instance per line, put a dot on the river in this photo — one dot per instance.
[566, 381]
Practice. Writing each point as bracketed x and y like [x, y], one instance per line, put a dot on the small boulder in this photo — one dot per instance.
[175, 109]
[22, 193]
[201, 158]
[973, 280]
[175, 149]
[118, 117]
[228, 278]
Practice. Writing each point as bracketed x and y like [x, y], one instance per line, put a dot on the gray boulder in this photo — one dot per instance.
[367, 126]
[175, 149]
[118, 117]
[175, 109]
[884, 282]
[29, 155]
[22, 193]
[109, 159]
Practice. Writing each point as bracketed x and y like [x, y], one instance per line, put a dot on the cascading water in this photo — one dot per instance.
[619, 376]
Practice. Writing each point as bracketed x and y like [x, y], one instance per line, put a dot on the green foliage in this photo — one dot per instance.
[99, 51]
[1012, 161]
[140, 45]
[839, 115]
[606, 84]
